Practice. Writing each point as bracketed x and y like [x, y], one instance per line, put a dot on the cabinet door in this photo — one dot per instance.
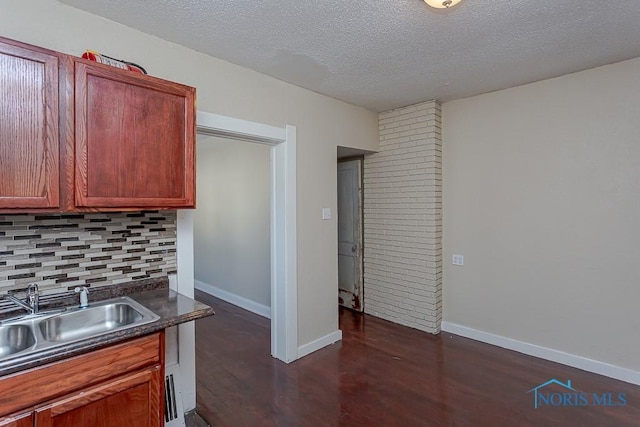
[22, 420]
[29, 139]
[134, 400]
[135, 138]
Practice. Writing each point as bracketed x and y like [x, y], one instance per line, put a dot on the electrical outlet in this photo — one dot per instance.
[457, 259]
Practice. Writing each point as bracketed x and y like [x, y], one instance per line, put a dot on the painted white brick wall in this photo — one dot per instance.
[403, 219]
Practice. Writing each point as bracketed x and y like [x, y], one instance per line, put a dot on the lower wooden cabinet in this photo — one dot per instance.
[20, 420]
[121, 385]
[132, 400]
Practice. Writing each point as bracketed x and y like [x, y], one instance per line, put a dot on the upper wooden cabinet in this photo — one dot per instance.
[29, 130]
[134, 139]
[76, 135]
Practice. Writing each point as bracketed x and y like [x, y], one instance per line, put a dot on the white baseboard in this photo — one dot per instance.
[242, 302]
[322, 342]
[590, 365]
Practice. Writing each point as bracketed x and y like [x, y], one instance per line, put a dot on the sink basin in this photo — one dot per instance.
[35, 333]
[88, 322]
[15, 338]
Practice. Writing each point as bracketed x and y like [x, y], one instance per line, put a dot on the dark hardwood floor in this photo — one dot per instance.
[383, 374]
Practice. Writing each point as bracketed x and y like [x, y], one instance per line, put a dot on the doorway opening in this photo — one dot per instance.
[350, 263]
[232, 222]
[282, 224]
[350, 229]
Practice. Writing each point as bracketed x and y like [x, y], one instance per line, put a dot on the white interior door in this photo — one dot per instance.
[350, 234]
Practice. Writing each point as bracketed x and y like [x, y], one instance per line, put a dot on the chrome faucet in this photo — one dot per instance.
[33, 298]
[32, 302]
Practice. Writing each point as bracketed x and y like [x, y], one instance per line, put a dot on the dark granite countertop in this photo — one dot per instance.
[172, 307]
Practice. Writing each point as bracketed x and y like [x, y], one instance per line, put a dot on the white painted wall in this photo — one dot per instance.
[322, 124]
[231, 222]
[540, 195]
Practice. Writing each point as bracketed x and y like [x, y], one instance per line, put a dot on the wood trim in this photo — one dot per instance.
[81, 131]
[190, 148]
[157, 401]
[97, 203]
[29, 388]
[22, 45]
[67, 134]
[144, 80]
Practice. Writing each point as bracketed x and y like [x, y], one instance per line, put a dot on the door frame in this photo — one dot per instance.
[283, 233]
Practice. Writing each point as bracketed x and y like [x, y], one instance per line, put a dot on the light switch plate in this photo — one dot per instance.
[326, 213]
[457, 259]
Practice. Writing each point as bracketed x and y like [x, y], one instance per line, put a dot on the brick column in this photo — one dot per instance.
[403, 219]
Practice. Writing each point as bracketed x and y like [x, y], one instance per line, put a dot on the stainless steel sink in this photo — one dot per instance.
[14, 339]
[34, 333]
[88, 322]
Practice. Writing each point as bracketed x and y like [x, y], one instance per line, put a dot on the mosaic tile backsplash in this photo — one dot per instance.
[60, 252]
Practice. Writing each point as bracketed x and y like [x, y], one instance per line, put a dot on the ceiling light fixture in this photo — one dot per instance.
[442, 4]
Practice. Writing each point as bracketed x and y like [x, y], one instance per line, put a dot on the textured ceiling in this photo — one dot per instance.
[383, 54]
